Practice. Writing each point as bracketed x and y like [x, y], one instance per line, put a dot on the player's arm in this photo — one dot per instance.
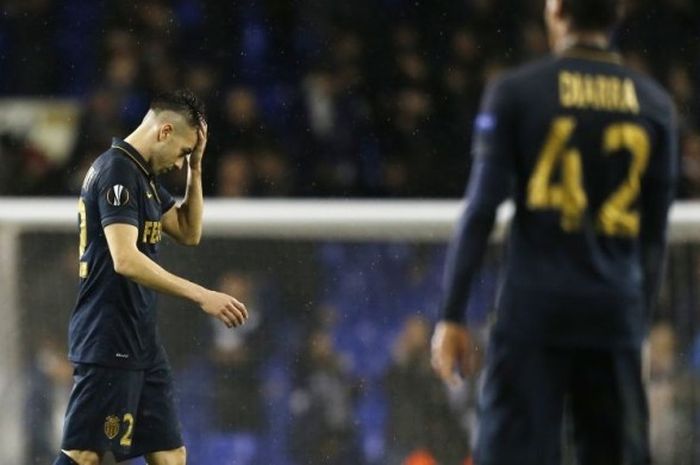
[131, 263]
[658, 190]
[183, 222]
[489, 184]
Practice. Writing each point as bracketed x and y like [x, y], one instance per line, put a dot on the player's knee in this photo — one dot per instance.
[78, 457]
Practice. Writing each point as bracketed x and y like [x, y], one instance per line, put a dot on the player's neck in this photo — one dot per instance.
[594, 39]
[137, 140]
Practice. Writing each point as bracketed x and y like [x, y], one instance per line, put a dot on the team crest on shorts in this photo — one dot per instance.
[117, 195]
[111, 426]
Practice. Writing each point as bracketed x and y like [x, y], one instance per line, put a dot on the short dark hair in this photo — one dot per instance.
[591, 15]
[184, 102]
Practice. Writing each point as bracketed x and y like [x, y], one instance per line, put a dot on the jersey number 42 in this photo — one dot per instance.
[615, 217]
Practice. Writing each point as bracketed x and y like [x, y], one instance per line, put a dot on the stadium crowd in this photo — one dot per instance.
[309, 98]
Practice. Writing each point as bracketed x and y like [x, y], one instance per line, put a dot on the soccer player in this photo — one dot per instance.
[587, 150]
[122, 398]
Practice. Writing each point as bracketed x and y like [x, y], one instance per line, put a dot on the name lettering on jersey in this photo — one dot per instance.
[120, 355]
[152, 231]
[597, 92]
[89, 177]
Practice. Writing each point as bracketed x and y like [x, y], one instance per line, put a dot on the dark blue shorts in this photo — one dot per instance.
[128, 412]
[530, 392]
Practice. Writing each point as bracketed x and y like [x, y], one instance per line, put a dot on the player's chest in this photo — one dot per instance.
[150, 214]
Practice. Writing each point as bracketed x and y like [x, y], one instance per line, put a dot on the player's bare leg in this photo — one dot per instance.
[168, 457]
[83, 457]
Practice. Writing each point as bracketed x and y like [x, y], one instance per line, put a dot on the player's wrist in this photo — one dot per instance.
[197, 294]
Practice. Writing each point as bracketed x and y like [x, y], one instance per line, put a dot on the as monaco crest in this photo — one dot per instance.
[111, 426]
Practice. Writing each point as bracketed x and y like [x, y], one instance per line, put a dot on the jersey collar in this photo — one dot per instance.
[134, 155]
[592, 52]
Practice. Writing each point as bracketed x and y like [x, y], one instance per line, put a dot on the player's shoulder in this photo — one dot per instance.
[653, 95]
[114, 163]
[111, 167]
[527, 72]
[513, 82]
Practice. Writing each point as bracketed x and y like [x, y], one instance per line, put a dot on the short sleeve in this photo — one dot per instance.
[166, 199]
[117, 191]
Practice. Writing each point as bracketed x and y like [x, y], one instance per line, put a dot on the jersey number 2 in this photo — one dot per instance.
[82, 224]
[615, 217]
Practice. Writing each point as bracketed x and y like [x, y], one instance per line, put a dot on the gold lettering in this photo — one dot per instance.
[565, 97]
[597, 92]
[152, 232]
[155, 233]
[630, 96]
[146, 230]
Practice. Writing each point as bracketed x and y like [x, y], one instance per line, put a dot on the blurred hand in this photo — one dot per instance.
[454, 352]
[198, 152]
[225, 308]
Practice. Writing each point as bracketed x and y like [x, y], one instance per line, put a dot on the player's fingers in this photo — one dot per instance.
[225, 319]
[232, 317]
[235, 314]
[442, 365]
[240, 306]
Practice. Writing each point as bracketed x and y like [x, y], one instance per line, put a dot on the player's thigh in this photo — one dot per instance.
[167, 457]
[609, 407]
[157, 425]
[83, 457]
[521, 404]
[101, 409]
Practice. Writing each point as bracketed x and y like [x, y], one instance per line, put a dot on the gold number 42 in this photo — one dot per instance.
[615, 217]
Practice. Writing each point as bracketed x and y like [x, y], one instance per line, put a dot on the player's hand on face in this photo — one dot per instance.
[454, 352]
[225, 308]
[198, 152]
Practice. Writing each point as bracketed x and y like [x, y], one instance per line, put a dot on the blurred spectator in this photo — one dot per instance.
[421, 419]
[237, 357]
[235, 175]
[689, 187]
[100, 122]
[322, 405]
[680, 84]
[669, 391]
[49, 383]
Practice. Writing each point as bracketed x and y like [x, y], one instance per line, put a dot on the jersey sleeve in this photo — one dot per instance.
[489, 184]
[658, 191]
[166, 199]
[118, 194]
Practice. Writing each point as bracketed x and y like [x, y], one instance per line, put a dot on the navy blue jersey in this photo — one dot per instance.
[114, 319]
[587, 150]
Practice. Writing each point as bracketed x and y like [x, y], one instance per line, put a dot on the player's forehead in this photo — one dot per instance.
[189, 134]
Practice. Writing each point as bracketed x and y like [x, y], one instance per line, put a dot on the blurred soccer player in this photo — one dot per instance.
[587, 150]
[122, 398]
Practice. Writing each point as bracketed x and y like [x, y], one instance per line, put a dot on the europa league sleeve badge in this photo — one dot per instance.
[118, 195]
